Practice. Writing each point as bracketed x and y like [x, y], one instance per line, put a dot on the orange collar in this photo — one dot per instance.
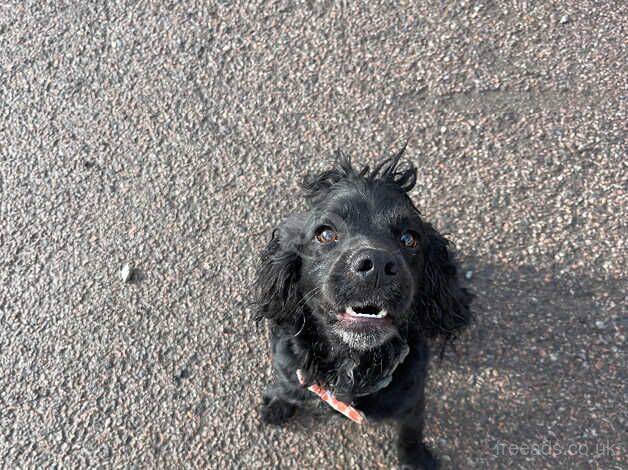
[349, 411]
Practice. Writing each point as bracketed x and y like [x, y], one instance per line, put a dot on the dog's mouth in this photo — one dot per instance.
[364, 326]
[368, 313]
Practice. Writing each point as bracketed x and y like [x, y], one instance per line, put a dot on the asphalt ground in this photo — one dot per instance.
[172, 136]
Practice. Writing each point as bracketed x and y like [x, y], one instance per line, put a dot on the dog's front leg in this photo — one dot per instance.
[282, 397]
[280, 401]
[413, 453]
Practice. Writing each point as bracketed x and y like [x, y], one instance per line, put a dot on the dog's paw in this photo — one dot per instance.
[417, 458]
[276, 411]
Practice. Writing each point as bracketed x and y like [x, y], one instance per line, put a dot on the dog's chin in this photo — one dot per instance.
[363, 340]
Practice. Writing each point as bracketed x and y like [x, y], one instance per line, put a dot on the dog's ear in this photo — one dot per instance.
[445, 303]
[278, 271]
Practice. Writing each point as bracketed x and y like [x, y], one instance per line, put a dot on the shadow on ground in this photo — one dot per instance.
[542, 348]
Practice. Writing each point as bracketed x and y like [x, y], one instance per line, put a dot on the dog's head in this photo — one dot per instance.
[361, 264]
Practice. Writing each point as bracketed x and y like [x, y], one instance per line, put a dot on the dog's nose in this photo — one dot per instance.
[373, 264]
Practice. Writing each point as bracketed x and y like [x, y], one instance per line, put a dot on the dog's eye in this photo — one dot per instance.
[326, 234]
[409, 238]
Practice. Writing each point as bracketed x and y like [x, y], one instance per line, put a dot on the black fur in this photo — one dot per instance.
[305, 288]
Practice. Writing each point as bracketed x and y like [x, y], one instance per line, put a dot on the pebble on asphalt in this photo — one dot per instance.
[126, 273]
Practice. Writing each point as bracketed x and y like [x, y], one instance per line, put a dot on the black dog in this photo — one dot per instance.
[354, 288]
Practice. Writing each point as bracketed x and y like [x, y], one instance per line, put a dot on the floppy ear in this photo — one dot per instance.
[276, 292]
[445, 302]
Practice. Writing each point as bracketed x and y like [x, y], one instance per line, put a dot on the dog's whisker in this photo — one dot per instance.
[307, 297]
[301, 329]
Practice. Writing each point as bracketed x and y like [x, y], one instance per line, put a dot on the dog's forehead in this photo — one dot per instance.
[370, 203]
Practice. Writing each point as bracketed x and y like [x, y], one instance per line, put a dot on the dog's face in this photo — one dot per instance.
[361, 256]
[361, 263]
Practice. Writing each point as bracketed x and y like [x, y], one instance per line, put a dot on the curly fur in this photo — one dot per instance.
[293, 282]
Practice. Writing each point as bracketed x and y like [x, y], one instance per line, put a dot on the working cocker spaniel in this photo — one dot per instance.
[354, 289]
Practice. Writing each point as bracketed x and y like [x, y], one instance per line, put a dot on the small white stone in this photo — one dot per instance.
[126, 273]
[600, 325]
[564, 19]
[553, 357]
[468, 275]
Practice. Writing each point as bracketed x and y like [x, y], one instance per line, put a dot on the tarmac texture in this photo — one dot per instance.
[147, 149]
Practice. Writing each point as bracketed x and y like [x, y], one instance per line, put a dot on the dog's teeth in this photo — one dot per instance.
[353, 313]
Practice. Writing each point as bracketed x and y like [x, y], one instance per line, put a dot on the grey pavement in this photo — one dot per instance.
[172, 136]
